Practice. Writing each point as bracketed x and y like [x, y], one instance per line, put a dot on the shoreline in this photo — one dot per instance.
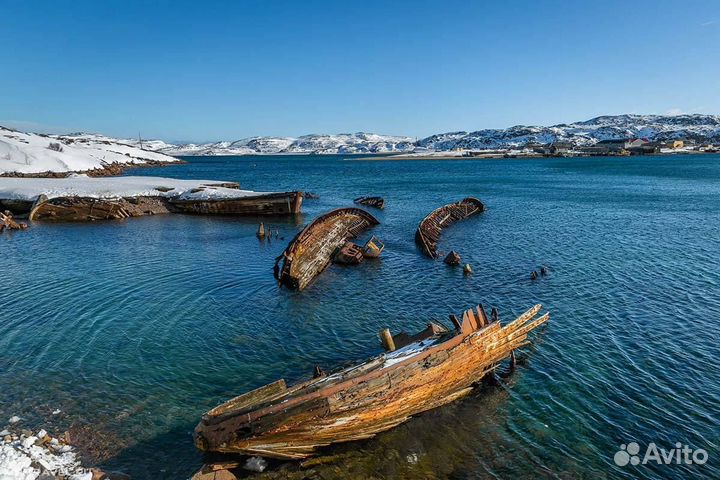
[114, 169]
[498, 156]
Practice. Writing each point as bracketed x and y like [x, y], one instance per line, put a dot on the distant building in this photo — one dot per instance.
[675, 144]
[560, 148]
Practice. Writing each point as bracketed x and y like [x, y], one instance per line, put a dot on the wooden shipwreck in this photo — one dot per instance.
[426, 371]
[79, 209]
[428, 232]
[311, 251]
[375, 202]
[263, 204]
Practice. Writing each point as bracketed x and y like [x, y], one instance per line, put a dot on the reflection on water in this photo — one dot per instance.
[134, 328]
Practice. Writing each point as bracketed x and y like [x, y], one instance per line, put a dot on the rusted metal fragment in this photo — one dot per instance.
[375, 202]
[428, 232]
[311, 251]
[361, 401]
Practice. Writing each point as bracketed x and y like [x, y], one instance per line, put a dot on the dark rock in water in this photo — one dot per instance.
[533, 275]
[452, 259]
[311, 196]
[543, 270]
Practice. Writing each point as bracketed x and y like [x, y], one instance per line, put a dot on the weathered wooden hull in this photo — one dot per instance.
[311, 251]
[359, 402]
[268, 204]
[83, 209]
[428, 232]
[375, 202]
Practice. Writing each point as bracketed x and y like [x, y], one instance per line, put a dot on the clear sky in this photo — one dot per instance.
[210, 70]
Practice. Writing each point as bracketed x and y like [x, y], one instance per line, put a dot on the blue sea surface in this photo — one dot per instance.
[134, 328]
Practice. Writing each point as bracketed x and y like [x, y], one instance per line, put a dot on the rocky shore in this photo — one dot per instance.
[28, 455]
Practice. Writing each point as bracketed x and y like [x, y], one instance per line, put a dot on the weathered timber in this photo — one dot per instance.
[375, 202]
[348, 254]
[311, 251]
[373, 247]
[282, 203]
[363, 400]
[84, 209]
[7, 222]
[428, 232]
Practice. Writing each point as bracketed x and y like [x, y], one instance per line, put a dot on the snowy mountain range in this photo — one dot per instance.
[699, 128]
[29, 153]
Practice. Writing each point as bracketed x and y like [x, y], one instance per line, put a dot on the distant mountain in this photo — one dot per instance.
[321, 144]
[699, 128]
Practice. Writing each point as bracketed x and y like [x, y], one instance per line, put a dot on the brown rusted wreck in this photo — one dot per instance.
[280, 203]
[375, 202]
[81, 209]
[428, 232]
[425, 371]
[311, 251]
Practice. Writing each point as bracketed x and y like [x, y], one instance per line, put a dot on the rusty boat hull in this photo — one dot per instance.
[428, 232]
[83, 209]
[311, 251]
[281, 203]
[358, 402]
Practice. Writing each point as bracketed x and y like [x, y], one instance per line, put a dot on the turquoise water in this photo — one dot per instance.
[134, 328]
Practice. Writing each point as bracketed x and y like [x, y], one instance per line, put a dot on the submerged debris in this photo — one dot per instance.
[311, 251]
[467, 269]
[425, 371]
[428, 232]
[7, 222]
[452, 259]
[376, 202]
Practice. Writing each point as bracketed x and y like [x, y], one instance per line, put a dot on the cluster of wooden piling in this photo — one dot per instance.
[430, 228]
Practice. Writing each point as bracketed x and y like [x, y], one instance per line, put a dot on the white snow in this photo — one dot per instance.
[30, 189]
[30, 153]
[23, 460]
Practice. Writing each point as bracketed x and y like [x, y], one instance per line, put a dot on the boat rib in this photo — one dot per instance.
[428, 232]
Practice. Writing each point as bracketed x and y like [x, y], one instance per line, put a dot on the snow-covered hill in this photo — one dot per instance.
[700, 128]
[29, 153]
[321, 144]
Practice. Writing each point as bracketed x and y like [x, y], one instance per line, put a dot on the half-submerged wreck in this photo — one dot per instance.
[428, 232]
[375, 202]
[312, 250]
[424, 371]
[81, 198]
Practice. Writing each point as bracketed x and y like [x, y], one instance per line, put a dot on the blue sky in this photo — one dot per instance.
[212, 70]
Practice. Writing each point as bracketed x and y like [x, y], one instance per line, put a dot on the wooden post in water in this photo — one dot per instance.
[387, 340]
[261, 231]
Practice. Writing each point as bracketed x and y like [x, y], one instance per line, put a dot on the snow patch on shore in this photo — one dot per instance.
[32, 153]
[32, 457]
[29, 189]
